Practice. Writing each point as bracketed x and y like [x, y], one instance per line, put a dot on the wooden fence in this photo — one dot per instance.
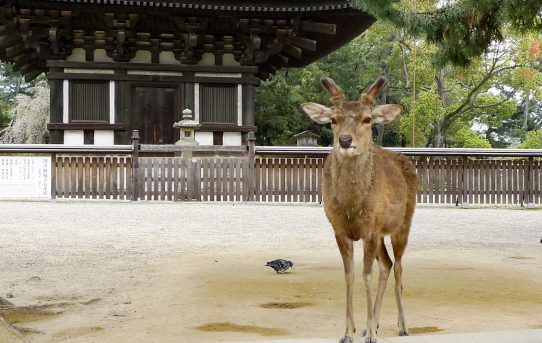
[91, 176]
[230, 179]
[273, 174]
[466, 180]
[194, 179]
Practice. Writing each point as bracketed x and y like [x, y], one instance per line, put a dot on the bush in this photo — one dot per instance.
[466, 138]
[533, 140]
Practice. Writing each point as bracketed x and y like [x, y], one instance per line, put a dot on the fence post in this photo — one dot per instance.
[464, 183]
[251, 166]
[135, 165]
[527, 180]
[53, 176]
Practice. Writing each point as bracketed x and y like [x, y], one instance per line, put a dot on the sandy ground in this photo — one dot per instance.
[194, 272]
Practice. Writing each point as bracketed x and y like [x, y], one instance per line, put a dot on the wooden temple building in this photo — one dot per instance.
[118, 65]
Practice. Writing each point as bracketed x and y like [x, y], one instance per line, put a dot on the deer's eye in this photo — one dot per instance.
[333, 121]
[367, 120]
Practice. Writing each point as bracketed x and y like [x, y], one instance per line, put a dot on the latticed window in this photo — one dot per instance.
[218, 103]
[89, 101]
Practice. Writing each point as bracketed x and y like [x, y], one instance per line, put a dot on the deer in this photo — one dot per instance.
[368, 193]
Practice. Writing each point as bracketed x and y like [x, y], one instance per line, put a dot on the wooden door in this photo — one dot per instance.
[153, 110]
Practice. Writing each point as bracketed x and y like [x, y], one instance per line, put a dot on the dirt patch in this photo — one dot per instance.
[423, 329]
[293, 305]
[78, 331]
[230, 327]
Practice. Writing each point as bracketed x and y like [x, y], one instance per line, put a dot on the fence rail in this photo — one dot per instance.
[280, 174]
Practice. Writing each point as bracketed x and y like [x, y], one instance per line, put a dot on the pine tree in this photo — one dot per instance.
[461, 29]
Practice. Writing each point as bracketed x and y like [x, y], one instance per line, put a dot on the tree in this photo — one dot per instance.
[354, 67]
[11, 85]
[30, 116]
[533, 141]
[465, 138]
[462, 30]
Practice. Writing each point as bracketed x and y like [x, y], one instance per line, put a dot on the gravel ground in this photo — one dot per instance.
[133, 255]
[35, 230]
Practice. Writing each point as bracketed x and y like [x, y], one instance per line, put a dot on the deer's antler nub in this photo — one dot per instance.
[331, 87]
[375, 88]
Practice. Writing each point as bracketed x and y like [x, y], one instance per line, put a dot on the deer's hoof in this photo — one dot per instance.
[370, 340]
[403, 333]
[364, 333]
[346, 339]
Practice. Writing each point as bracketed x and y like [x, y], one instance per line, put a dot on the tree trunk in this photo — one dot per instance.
[440, 86]
[438, 129]
[438, 134]
[526, 108]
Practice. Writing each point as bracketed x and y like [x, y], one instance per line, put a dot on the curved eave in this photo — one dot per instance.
[307, 44]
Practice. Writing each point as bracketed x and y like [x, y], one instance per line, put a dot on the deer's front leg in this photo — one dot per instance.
[369, 253]
[346, 247]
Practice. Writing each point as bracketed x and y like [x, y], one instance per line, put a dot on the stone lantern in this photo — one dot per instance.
[188, 128]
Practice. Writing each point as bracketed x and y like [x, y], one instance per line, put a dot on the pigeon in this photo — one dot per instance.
[280, 265]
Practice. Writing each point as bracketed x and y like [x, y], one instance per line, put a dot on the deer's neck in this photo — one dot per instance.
[352, 177]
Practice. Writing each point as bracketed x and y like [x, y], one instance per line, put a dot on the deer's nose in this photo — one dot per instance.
[345, 141]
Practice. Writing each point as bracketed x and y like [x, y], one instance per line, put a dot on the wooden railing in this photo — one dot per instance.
[280, 174]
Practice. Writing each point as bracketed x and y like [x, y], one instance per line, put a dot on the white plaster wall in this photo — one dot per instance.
[100, 55]
[65, 101]
[74, 137]
[142, 56]
[239, 105]
[78, 55]
[104, 137]
[204, 138]
[232, 138]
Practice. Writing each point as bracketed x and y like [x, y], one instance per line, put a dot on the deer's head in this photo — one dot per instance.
[351, 121]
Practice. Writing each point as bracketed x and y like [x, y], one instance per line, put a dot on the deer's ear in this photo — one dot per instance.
[385, 113]
[318, 113]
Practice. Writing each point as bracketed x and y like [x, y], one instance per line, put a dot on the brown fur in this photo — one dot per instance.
[369, 193]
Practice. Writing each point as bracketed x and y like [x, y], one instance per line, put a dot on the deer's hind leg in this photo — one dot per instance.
[384, 264]
[399, 243]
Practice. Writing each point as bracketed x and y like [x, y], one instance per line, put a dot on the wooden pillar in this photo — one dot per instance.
[56, 108]
[189, 100]
[249, 92]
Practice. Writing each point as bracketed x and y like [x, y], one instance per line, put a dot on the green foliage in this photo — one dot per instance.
[466, 138]
[5, 114]
[428, 110]
[463, 29]
[533, 140]
[278, 106]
